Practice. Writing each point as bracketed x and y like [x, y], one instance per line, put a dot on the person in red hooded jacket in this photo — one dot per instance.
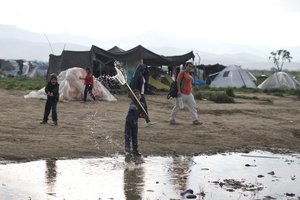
[89, 84]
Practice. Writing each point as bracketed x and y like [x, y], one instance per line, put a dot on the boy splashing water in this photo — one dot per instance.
[131, 127]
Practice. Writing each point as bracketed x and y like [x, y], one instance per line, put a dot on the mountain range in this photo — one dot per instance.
[16, 43]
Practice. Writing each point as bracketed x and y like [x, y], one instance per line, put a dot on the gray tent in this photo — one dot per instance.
[280, 80]
[234, 76]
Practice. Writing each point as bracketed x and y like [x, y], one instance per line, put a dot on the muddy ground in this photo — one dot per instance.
[97, 129]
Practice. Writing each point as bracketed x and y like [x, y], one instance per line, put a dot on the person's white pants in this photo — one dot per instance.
[188, 101]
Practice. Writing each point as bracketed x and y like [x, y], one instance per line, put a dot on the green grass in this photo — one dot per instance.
[231, 91]
[221, 98]
[22, 83]
[227, 95]
[246, 97]
[218, 97]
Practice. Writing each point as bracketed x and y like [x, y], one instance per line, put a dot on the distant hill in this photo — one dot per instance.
[16, 43]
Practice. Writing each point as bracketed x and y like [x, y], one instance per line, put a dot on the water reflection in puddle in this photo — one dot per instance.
[257, 175]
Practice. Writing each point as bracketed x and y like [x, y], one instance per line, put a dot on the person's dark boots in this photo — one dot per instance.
[54, 123]
[136, 153]
[43, 122]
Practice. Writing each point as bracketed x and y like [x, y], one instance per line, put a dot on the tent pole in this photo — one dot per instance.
[100, 69]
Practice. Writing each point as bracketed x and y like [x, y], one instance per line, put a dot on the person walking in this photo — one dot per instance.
[185, 96]
[52, 91]
[89, 84]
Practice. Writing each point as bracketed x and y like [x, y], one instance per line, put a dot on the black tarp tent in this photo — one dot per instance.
[69, 59]
[98, 58]
[115, 49]
[178, 60]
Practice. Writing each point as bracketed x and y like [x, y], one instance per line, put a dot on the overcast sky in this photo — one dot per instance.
[251, 22]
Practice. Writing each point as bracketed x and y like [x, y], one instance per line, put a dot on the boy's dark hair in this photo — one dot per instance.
[87, 69]
[136, 91]
[53, 76]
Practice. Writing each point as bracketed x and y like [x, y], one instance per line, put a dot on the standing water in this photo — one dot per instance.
[256, 175]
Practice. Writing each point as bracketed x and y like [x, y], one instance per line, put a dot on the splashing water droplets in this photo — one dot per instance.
[119, 76]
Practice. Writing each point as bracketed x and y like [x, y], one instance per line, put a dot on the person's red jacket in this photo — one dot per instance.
[89, 80]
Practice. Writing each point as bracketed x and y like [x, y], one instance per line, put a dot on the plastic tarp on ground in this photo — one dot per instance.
[157, 84]
[234, 76]
[71, 87]
[167, 79]
[280, 80]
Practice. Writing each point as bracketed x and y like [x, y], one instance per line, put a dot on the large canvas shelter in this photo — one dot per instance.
[103, 60]
[71, 87]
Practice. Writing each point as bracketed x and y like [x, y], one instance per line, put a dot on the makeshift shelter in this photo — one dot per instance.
[234, 76]
[69, 59]
[179, 59]
[71, 87]
[9, 67]
[116, 49]
[280, 80]
[210, 69]
[36, 69]
[102, 61]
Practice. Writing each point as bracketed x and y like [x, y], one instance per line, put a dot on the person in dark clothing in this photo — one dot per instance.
[52, 91]
[21, 65]
[177, 71]
[170, 70]
[131, 126]
[139, 81]
[89, 84]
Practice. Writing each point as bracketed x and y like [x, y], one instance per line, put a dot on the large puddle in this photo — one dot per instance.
[255, 175]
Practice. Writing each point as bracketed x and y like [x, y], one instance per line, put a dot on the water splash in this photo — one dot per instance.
[119, 76]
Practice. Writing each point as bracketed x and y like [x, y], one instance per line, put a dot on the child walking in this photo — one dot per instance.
[52, 91]
[131, 127]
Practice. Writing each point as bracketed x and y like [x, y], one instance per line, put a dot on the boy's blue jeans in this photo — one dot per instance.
[131, 133]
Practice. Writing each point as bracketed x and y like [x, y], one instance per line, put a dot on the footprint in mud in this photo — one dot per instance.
[296, 134]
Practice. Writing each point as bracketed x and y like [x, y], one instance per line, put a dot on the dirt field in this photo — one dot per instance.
[97, 129]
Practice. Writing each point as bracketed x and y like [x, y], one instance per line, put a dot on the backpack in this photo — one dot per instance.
[173, 89]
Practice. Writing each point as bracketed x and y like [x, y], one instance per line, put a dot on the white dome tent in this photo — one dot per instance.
[234, 76]
[280, 80]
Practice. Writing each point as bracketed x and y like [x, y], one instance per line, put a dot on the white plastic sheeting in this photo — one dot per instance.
[234, 76]
[71, 87]
[280, 80]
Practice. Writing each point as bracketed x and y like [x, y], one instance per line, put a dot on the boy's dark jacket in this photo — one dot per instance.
[133, 113]
[54, 89]
[137, 81]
